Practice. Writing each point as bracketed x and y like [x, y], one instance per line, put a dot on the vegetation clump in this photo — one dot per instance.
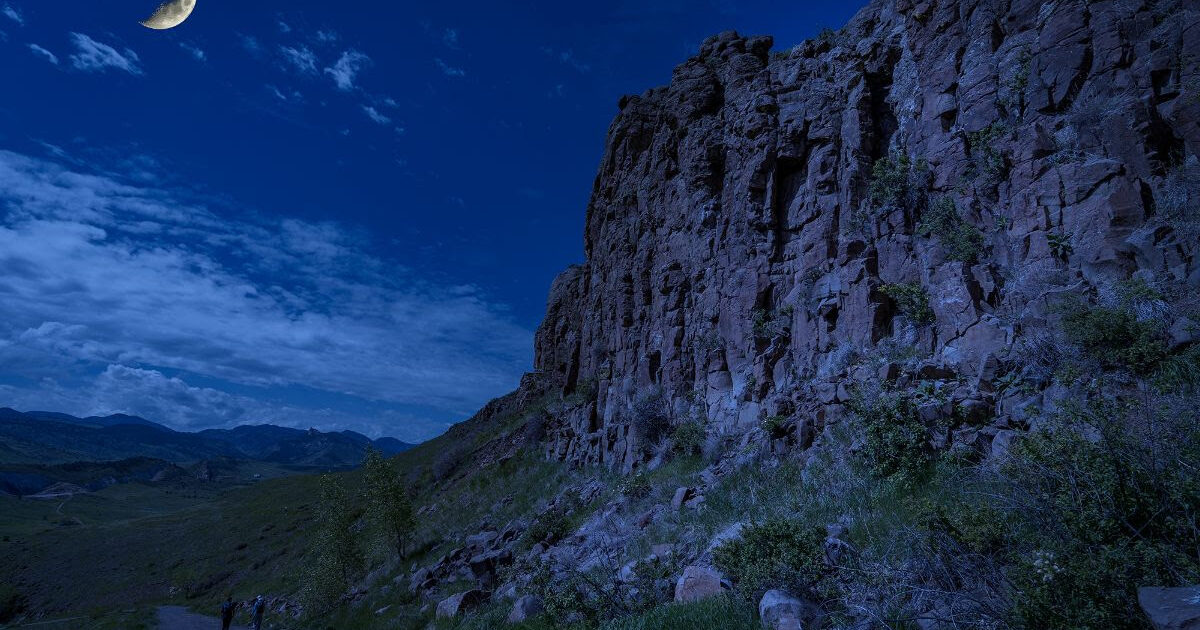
[896, 444]
[1116, 337]
[389, 508]
[961, 240]
[688, 438]
[912, 300]
[335, 555]
[898, 182]
[778, 553]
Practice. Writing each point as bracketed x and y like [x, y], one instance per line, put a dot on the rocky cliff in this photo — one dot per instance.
[906, 198]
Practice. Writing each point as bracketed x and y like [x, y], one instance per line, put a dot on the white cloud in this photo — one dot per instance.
[127, 297]
[49, 56]
[327, 37]
[449, 70]
[13, 14]
[94, 56]
[346, 70]
[450, 38]
[567, 58]
[374, 115]
[300, 58]
[196, 52]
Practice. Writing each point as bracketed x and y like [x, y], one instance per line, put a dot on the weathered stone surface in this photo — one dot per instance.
[462, 602]
[526, 607]
[780, 611]
[698, 583]
[735, 256]
[1171, 608]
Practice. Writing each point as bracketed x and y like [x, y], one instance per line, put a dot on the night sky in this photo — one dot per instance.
[328, 214]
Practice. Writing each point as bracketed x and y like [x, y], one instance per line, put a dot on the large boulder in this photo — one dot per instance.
[780, 611]
[698, 583]
[526, 607]
[455, 605]
[1171, 608]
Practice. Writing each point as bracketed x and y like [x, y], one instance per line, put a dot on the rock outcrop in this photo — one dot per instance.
[739, 257]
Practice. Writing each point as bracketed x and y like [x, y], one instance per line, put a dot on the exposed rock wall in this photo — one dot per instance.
[735, 257]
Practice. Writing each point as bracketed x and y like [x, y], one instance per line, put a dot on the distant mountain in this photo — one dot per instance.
[41, 437]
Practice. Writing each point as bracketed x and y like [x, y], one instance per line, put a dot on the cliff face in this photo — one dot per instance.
[739, 256]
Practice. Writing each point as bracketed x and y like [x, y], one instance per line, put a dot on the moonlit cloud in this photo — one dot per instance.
[300, 58]
[450, 38]
[94, 56]
[46, 54]
[197, 53]
[118, 296]
[347, 68]
[449, 70]
[12, 14]
[374, 115]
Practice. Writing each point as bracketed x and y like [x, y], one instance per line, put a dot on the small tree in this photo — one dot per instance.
[335, 553]
[388, 506]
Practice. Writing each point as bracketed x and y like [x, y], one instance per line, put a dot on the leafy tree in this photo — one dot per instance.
[389, 508]
[336, 557]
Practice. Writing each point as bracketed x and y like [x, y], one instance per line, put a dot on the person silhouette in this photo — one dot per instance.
[256, 612]
[228, 607]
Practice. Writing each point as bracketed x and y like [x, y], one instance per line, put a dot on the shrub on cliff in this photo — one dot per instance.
[961, 240]
[1116, 337]
[779, 553]
[896, 442]
[1107, 501]
[688, 438]
[898, 182]
[649, 419]
[911, 300]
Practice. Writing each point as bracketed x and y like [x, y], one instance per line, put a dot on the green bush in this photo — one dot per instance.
[774, 426]
[912, 300]
[1116, 338]
[962, 241]
[650, 419]
[898, 182]
[896, 441]
[688, 438]
[779, 553]
[987, 156]
[1104, 515]
[636, 486]
[550, 526]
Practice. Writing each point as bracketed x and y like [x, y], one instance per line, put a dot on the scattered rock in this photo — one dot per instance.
[525, 607]
[780, 611]
[462, 602]
[698, 583]
[1171, 608]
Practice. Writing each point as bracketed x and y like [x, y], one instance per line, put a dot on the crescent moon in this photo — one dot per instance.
[170, 14]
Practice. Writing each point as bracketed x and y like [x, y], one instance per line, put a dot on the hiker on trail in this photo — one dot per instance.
[256, 612]
[228, 607]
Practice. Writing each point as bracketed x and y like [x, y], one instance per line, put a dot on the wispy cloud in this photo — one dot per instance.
[94, 56]
[49, 56]
[196, 52]
[117, 296]
[251, 44]
[376, 116]
[12, 14]
[448, 69]
[567, 58]
[450, 38]
[300, 58]
[347, 68]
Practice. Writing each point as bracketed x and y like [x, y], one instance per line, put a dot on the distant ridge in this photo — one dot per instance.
[47, 437]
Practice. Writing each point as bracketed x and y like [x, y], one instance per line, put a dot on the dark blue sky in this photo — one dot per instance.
[331, 214]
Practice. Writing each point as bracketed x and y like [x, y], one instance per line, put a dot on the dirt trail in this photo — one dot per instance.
[180, 618]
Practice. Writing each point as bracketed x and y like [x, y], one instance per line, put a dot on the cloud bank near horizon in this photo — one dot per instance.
[121, 294]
